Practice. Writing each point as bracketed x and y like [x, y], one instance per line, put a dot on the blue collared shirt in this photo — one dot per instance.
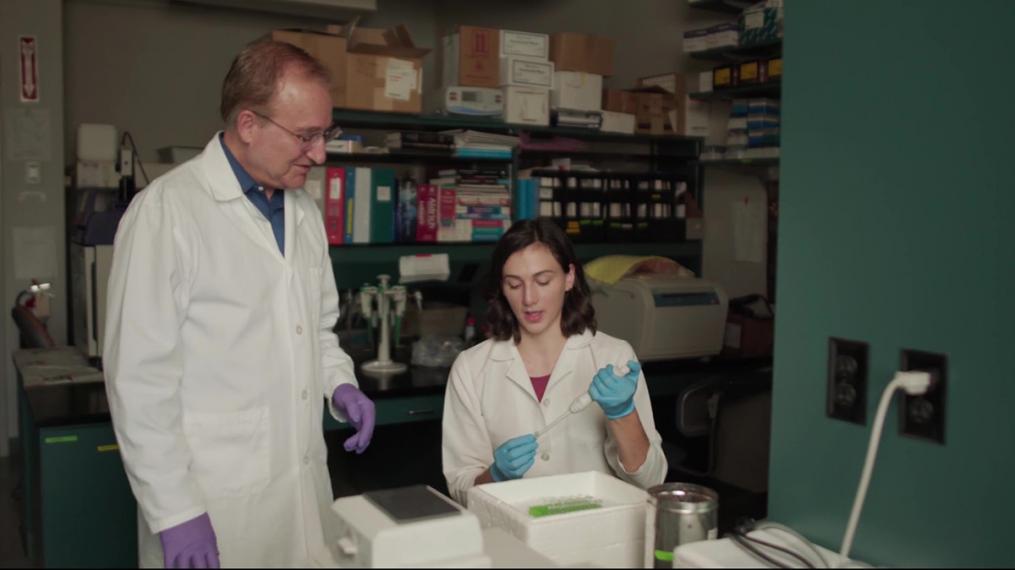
[273, 209]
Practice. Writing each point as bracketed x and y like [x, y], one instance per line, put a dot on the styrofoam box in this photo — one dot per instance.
[610, 536]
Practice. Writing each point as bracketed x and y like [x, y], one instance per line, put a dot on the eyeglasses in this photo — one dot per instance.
[309, 140]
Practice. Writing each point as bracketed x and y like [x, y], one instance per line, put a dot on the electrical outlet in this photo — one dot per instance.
[923, 416]
[847, 380]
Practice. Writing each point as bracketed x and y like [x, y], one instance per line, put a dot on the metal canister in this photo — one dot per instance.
[678, 513]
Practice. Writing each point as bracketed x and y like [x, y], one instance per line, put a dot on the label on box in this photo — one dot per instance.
[749, 71]
[754, 20]
[384, 193]
[525, 72]
[722, 77]
[524, 44]
[400, 79]
[775, 67]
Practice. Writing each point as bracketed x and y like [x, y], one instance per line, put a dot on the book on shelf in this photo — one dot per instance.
[334, 205]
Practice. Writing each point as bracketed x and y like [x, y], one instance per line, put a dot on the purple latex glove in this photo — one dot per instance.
[190, 545]
[361, 415]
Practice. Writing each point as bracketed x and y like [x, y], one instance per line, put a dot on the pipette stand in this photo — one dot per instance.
[390, 304]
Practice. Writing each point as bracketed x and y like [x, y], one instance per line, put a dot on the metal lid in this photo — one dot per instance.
[683, 498]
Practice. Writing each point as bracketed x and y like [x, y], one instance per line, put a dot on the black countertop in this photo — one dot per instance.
[71, 403]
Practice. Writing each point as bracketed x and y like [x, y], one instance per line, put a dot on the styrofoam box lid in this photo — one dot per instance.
[612, 534]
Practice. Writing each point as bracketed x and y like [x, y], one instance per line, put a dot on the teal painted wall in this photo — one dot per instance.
[896, 228]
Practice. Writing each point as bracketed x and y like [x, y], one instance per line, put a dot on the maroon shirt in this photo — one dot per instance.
[539, 385]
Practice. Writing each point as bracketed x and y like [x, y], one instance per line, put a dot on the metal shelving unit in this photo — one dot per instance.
[743, 91]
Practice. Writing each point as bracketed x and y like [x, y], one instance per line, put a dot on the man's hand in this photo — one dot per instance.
[361, 415]
[190, 545]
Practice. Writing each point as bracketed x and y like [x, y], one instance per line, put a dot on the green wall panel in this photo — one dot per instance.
[895, 208]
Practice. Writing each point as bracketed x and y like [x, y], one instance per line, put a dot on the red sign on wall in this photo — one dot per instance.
[29, 64]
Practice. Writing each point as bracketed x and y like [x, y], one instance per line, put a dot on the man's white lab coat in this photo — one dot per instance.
[490, 400]
[218, 351]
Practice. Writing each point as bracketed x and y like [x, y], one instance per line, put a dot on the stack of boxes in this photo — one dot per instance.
[371, 69]
[526, 77]
[580, 63]
[753, 129]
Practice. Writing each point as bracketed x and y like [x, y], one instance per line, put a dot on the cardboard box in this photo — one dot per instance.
[526, 72]
[577, 91]
[327, 48]
[613, 122]
[472, 57]
[525, 44]
[620, 101]
[571, 51]
[527, 105]
[669, 82]
[371, 69]
[653, 114]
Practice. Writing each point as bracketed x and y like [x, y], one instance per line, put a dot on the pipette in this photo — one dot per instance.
[580, 403]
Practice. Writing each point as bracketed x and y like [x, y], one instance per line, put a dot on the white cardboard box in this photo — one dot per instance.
[577, 90]
[526, 72]
[527, 105]
[614, 122]
[696, 118]
[612, 536]
[529, 45]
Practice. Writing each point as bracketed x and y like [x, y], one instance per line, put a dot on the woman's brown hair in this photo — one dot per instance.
[577, 314]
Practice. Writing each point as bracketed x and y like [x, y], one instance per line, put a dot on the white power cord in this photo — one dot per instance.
[915, 383]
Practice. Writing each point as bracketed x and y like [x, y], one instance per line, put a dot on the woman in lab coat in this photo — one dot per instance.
[544, 353]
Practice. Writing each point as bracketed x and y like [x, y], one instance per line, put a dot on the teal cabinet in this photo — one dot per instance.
[88, 516]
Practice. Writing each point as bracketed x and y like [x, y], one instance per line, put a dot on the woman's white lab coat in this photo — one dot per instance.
[218, 357]
[490, 400]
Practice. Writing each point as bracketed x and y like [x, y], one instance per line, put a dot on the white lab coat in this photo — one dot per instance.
[490, 400]
[218, 357]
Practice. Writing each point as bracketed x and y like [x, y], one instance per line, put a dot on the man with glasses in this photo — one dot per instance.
[219, 343]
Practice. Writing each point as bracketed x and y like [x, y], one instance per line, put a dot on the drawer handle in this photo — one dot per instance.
[420, 412]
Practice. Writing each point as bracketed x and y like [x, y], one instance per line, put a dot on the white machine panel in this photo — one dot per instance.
[90, 266]
[663, 316]
[407, 527]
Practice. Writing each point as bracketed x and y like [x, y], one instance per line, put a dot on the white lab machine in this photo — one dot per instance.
[663, 316]
[407, 527]
[90, 267]
[476, 101]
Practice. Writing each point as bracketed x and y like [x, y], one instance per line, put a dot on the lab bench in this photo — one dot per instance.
[78, 509]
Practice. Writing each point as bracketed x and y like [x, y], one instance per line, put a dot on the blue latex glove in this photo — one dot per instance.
[190, 545]
[615, 394]
[360, 412]
[513, 458]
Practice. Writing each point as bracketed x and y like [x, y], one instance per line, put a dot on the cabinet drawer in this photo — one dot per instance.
[391, 411]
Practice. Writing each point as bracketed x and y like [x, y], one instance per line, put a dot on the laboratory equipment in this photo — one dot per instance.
[612, 535]
[578, 404]
[678, 513]
[407, 527]
[478, 101]
[663, 316]
[90, 267]
[383, 306]
[725, 553]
